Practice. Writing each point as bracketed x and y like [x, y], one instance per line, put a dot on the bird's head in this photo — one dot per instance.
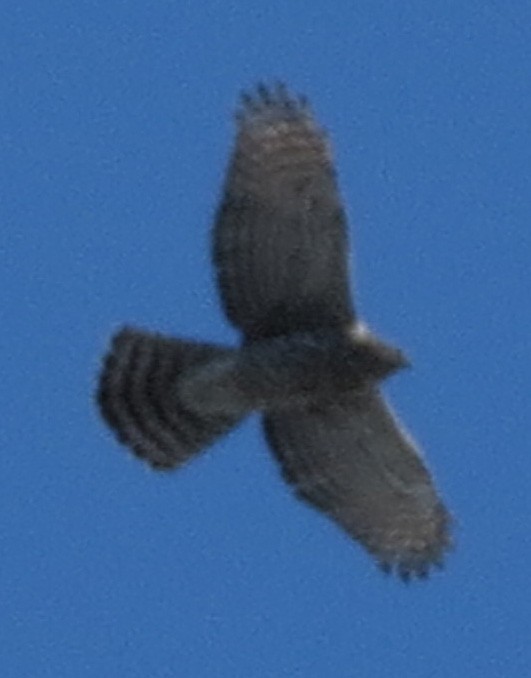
[381, 359]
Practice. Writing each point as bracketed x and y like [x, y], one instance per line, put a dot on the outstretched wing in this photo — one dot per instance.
[280, 241]
[354, 462]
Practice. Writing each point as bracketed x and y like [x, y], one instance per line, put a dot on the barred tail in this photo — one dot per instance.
[138, 396]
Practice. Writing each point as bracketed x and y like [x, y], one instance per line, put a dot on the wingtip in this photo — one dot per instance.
[273, 98]
[408, 574]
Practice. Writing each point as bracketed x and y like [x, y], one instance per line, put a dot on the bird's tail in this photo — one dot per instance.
[139, 395]
[167, 399]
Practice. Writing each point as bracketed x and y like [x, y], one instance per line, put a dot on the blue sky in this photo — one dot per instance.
[115, 127]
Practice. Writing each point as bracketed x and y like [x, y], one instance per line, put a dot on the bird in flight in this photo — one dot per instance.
[306, 362]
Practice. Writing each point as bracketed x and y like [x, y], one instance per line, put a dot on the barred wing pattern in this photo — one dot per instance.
[306, 363]
[353, 461]
[280, 242]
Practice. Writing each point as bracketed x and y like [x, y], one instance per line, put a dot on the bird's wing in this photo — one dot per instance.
[280, 241]
[356, 464]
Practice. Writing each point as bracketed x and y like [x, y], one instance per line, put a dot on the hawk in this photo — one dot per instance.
[306, 362]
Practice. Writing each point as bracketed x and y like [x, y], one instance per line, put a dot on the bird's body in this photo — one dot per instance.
[280, 252]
